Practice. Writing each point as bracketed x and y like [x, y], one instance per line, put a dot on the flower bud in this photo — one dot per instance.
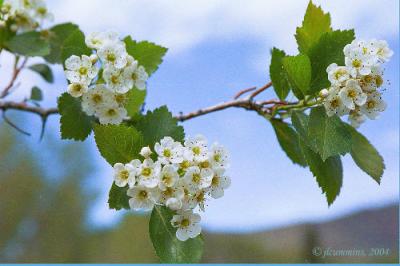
[94, 58]
[145, 152]
[14, 27]
[323, 93]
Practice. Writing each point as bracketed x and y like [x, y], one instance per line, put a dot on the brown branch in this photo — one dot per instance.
[263, 88]
[240, 93]
[14, 77]
[27, 108]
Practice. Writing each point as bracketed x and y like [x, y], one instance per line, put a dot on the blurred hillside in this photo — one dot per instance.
[45, 194]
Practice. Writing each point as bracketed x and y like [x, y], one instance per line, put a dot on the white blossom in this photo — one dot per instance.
[113, 55]
[80, 69]
[96, 40]
[187, 224]
[96, 99]
[337, 74]
[352, 94]
[219, 183]
[334, 104]
[146, 152]
[136, 76]
[168, 177]
[116, 80]
[112, 114]
[77, 89]
[197, 178]
[169, 151]
[142, 198]
[374, 105]
[124, 174]
[197, 147]
[149, 173]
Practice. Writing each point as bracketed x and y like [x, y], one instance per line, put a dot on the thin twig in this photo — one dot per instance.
[16, 72]
[27, 108]
[240, 93]
[8, 121]
[263, 88]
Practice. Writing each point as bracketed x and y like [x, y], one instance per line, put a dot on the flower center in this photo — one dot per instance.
[378, 81]
[340, 73]
[77, 87]
[370, 104]
[114, 79]
[200, 197]
[143, 195]
[111, 112]
[42, 11]
[356, 63]
[97, 98]
[196, 178]
[146, 171]
[124, 174]
[134, 76]
[365, 50]
[120, 98]
[215, 181]
[169, 192]
[167, 179]
[351, 94]
[83, 71]
[185, 164]
[185, 222]
[111, 57]
[217, 157]
[335, 103]
[167, 153]
[196, 150]
[204, 164]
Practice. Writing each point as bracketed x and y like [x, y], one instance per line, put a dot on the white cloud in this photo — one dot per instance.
[182, 25]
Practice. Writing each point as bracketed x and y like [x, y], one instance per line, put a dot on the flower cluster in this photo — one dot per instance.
[103, 79]
[182, 178]
[24, 15]
[355, 87]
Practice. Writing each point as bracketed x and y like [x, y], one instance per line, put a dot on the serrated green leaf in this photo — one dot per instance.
[57, 35]
[157, 124]
[36, 94]
[44, 71]
[328, 136]
[75, 124]
[118, 143]
[149, 55]
[74, 45]
[135, 101]
[29, 44]
[117, 198]
[278, 74]
[315, 23]
[365, 155]
[329, 173]
[328, 50]
[300, 123]
[298, 69]
[5, 35]
[289, 141]
[168, 248]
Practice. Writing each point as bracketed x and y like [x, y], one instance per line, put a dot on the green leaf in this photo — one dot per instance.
[289, 141]
[149, 55]
[75, 124]
[36, 94]
[315, 23]
[118, 143]
[117, 198]
[328, 136]
[44, 71]
[300, 123]
[365, 155]
[278, 74]
[168, 248]
[57, 36]
[74, 45]
[328, 50]
[135, 101]
[298, 69]
[29, 44]
[158, 124]
[329, 173]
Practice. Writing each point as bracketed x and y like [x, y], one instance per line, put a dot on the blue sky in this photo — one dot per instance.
[218, 48]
